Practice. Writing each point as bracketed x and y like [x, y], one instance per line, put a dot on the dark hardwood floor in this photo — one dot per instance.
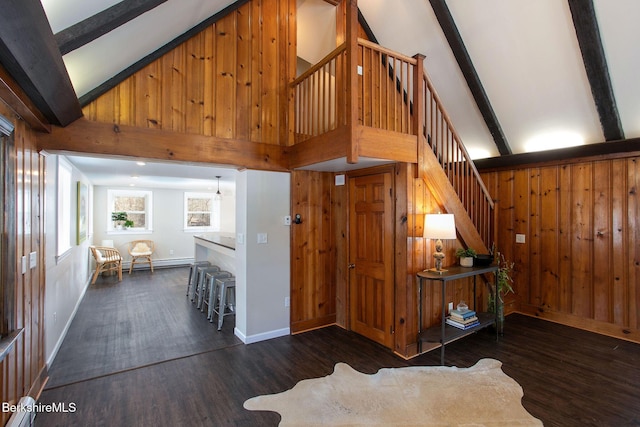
[139, 354]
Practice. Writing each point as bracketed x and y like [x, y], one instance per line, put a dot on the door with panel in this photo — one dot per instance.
[371, 237]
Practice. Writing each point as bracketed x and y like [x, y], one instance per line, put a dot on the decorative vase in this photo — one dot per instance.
[466, 261]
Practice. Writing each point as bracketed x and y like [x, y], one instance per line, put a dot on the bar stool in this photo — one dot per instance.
[209, 293]
[192, 273]
[200, 273]
[225, 286]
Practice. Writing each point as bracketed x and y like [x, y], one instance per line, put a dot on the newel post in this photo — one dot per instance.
[352, 80]
[419, 107]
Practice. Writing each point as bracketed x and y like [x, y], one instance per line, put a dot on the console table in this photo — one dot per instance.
[444, 333]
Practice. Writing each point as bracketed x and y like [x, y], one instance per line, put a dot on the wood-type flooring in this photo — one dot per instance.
[138, 353]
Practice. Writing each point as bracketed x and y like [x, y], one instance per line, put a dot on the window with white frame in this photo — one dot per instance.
[136, 204]
[201, 211]
[64, 206]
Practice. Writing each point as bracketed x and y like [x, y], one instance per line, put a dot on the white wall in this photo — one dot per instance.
[174, 245]
[263, 272]
[66, 279]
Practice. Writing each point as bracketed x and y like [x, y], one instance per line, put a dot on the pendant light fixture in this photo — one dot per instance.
[218, 193]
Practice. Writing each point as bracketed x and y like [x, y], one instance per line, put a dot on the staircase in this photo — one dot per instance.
[397, 115]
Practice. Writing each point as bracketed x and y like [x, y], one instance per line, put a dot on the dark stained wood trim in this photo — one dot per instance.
[30, 54]
[595, 64]
[601, 150]
[124, 74]
[86, 136]
[101, 23]
[15, 98]
[471, 76]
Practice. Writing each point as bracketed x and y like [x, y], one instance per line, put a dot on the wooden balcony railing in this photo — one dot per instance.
[320, 97]
[394, 94]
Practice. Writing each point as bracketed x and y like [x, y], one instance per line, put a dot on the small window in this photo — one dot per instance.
[136, 206]
[201, 212]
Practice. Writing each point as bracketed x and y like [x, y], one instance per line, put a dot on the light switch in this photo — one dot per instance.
[33, 260]
[520, 238]
[262, 238]
[240, 239]
[287, 220]
[24, 264]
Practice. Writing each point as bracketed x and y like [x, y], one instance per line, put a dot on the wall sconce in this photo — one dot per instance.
[218, 195]
[439, 226]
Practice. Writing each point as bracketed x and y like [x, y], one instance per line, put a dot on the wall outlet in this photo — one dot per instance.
[287, 301]
[55, 317]
[286, 220]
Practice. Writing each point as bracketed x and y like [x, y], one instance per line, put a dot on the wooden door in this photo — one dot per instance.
[371, 240]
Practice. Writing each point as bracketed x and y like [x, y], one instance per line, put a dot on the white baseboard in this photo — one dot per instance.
[262, 336]
[159, 263]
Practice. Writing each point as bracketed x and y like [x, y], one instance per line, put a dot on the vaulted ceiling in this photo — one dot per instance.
[515, 76]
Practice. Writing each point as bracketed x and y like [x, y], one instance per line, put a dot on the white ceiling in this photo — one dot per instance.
[123, 172]
[525, 53]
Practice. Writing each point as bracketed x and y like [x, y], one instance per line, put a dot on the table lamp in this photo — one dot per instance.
[439, 226]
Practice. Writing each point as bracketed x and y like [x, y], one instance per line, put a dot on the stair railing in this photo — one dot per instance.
[456, 162]
[393, 93]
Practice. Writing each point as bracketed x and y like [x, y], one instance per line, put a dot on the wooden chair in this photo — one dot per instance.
[141, 251]
[107, 259]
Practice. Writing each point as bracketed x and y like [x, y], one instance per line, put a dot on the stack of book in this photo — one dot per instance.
[462, 319]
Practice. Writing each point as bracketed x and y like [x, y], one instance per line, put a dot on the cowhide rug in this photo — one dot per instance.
[481, 395]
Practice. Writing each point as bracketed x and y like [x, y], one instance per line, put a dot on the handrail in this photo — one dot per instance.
[337, 51]
[454, 159]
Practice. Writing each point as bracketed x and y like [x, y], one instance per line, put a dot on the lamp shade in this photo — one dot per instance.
[439, 226]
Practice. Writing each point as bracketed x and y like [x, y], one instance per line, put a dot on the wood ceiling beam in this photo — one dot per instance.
[86, 136]
[86, 31]
[600, 151]
[29, 53]
[471, 76]
[595, 64]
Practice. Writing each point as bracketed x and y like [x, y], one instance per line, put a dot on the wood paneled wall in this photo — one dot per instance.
[23, 371]
[229, 81]
[318, 251]
[319, 248]
[580, 263]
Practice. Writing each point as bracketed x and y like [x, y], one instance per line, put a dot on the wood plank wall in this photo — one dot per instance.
[229, 81]
[23, 371]
[580, 264]
[319, 256]
[318, 251]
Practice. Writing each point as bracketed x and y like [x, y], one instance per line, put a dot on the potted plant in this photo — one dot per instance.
[466, 256]
[120, 220]
[504, 286]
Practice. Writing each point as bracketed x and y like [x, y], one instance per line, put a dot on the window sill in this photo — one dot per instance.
[7, 343]
[124, 232]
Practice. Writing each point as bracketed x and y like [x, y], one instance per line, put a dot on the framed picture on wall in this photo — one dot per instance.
[82, 215]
